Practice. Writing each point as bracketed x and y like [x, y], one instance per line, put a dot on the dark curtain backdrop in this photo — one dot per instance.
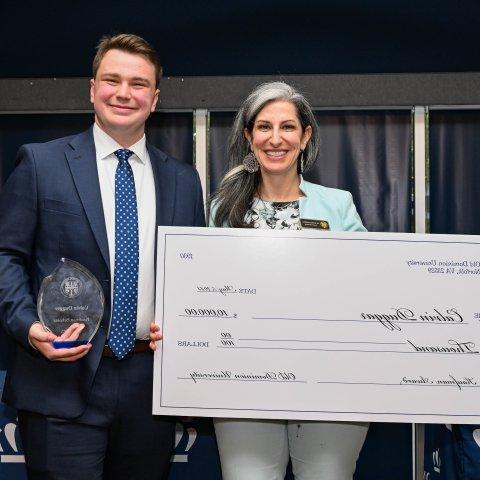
[367, 153]
[454, 152]
[220, 126]
[454, 148]
[172, 133]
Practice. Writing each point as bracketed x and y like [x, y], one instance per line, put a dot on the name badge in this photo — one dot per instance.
[318, 224]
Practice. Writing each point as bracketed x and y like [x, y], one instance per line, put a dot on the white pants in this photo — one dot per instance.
[260, 449]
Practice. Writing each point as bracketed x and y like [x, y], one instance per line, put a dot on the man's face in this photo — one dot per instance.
[123, 94]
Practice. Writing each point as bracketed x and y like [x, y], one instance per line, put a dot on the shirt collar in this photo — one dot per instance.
[105, 145]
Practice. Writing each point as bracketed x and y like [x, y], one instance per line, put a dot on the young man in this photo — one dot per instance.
[85, 412]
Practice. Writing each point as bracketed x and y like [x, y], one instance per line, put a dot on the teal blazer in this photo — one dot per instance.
[322, 203]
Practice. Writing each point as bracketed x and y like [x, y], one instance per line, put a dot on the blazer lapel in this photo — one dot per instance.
[164, 176]
[83, 166]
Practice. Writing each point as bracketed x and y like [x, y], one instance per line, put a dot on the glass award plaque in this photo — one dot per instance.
[70, 294]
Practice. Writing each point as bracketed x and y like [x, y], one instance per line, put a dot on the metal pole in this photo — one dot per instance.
[200, 148]
[420, 173]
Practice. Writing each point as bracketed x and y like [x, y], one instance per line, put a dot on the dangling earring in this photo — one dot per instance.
[301, 160]
[250, 163]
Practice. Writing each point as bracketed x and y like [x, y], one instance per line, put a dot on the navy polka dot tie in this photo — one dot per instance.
[125, 282]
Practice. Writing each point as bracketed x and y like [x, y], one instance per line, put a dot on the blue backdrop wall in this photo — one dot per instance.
[218, 37]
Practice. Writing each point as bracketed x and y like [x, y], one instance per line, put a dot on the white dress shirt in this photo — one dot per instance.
[145, 191]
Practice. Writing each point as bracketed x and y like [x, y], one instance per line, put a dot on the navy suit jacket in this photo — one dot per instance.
[50, 208]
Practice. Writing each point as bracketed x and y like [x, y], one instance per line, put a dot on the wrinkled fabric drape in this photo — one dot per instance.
[454, 148]
[452, 452]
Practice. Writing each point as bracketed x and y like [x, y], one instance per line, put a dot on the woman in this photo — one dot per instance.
[274, 139]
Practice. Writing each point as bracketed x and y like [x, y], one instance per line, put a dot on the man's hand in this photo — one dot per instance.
[42, 341]
[155, 336]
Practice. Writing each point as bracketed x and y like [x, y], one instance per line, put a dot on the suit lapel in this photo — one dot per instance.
[83, 166]
[164, 176]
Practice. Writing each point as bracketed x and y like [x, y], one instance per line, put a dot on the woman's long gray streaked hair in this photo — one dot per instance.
[235, 195]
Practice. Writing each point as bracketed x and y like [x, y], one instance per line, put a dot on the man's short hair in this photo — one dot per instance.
[130, 43]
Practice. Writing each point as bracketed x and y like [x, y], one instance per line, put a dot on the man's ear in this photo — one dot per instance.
[92, 90]
[155, 99]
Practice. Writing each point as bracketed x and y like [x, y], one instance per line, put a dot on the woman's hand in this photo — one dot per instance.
[155, 335]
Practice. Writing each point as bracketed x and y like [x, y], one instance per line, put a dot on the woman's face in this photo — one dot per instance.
[277, 138]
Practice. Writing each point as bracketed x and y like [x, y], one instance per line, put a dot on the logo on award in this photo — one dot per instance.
[72, 287]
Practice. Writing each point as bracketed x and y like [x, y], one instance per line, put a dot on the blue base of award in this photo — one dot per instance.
[69, 344]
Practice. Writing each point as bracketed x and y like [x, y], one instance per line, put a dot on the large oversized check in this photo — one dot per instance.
[318, 325]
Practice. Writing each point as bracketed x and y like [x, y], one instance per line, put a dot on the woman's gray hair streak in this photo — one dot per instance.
[235, 194]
